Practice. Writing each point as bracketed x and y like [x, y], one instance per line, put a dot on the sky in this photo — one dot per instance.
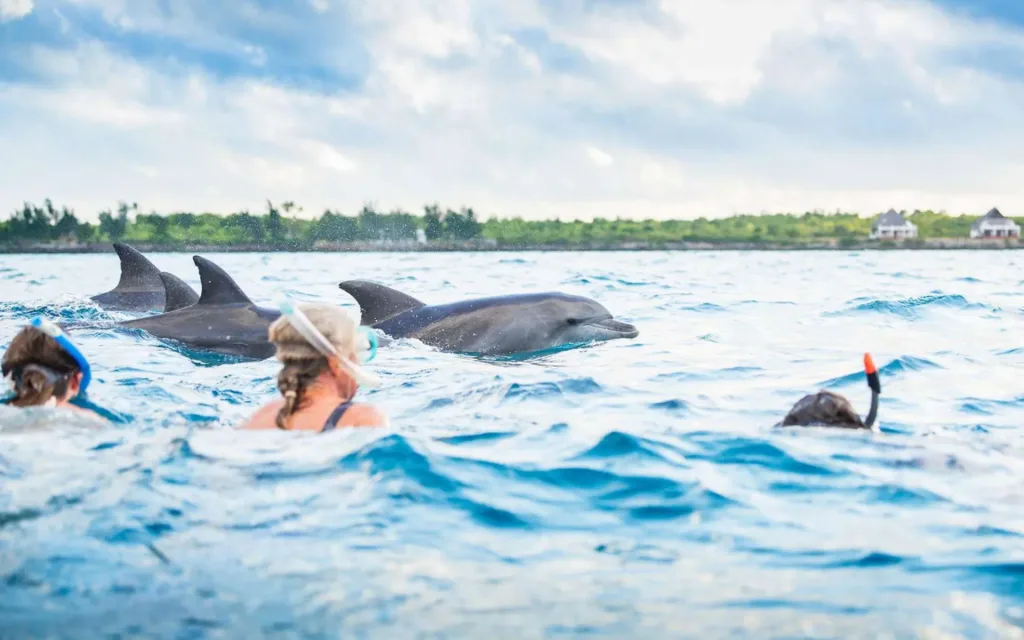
[531, 108]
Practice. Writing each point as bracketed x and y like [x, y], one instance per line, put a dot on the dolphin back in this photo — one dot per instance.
[177, 294]
[137, 272]
[376, 302]
[139, 287]
[218, 286]
[222, 320]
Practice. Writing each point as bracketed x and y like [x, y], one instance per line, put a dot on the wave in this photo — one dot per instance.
[412, 474]
[71, 313]
[547, 390]
[729, 450]
[988, 406]
[611, 281]
[907, 307]
[893, 368]
[740, 371]
[704, 307]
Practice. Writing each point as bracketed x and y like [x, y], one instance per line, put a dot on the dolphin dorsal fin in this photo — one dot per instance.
[177, 294]
[218, 287]
[377, 303]
[137, 272]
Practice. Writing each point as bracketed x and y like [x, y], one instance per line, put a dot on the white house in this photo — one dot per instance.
[891, 225]
[994, 225]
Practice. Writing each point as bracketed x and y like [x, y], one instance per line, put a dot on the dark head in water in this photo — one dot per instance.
[40, 369]
[142, 287]
[498, 326]
[827, 409]
[223, 320]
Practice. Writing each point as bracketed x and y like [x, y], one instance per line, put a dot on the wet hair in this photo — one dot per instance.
[39, 368]
[302, 363]
[824, 408]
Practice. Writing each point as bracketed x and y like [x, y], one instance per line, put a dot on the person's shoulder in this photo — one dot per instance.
[364, 415]
[86, 412]
[265, 417]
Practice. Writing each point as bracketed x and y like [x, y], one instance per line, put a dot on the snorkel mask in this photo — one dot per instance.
[366, 343]
[69, 347]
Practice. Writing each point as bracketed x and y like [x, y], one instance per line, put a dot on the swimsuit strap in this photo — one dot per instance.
[336, 415]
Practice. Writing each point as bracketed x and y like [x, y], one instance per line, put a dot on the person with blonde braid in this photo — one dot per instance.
[319, 347]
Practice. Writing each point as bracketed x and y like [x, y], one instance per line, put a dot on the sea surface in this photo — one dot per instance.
[630, 489]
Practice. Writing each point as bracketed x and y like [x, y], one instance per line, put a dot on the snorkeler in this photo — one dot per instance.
[319, 347]
[45, 368]
[829, 409]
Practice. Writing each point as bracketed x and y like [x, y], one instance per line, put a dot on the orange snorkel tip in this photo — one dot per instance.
[869, 364]
[872, 372]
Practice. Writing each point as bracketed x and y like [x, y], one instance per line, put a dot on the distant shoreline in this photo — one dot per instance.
[937, 244]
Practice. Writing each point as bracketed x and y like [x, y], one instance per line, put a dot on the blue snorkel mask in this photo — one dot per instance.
[72, 350]
[69, 347]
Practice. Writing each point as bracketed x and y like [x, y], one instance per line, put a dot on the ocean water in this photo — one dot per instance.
[627, 489]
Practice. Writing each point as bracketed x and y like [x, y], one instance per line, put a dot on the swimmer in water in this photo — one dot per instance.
[46, 369]
[320, 349]
[827, 409]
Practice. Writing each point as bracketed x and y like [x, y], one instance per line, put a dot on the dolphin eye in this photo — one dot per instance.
[573, 321]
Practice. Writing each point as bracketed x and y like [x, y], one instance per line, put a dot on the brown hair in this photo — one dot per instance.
[302, 363]
[39, 367]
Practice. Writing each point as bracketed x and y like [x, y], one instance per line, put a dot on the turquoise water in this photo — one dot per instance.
[628, 489]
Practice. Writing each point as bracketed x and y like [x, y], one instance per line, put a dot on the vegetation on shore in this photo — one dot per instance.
[280, 227]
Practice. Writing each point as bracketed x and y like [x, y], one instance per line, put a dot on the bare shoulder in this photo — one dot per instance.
[82, 411]
[364, 415]
[265, 417]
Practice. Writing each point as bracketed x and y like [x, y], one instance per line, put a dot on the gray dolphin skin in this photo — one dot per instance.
[224, 320]
[177, 293]
[140, 287]
[498, 326]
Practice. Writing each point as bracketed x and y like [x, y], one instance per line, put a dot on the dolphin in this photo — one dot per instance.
[497, 326]
[140, 287]
[177, 294]
[143, 287]
[224, 320]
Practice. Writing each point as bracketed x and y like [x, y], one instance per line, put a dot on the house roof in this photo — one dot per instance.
[891, 219]
[993, 219]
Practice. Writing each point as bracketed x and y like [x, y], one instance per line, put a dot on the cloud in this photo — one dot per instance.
[680, 108]
[14, 9]
[598, 157]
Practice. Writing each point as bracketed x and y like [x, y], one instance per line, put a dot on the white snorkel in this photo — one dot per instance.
[366, 341]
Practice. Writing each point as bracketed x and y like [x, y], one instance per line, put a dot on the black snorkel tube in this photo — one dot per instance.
[876, 389]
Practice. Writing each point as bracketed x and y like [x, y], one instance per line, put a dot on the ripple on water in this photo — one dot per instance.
[900, 365]
[517, 392]
[907, 307]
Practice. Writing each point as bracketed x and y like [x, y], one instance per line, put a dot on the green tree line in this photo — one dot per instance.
[281, 226]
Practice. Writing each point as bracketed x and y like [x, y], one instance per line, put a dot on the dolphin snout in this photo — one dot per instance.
[623, 329]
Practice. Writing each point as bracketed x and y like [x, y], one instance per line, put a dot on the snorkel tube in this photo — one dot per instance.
[876, 389]
[367, 343]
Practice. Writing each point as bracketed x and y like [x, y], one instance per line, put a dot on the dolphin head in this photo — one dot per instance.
[578, 320]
